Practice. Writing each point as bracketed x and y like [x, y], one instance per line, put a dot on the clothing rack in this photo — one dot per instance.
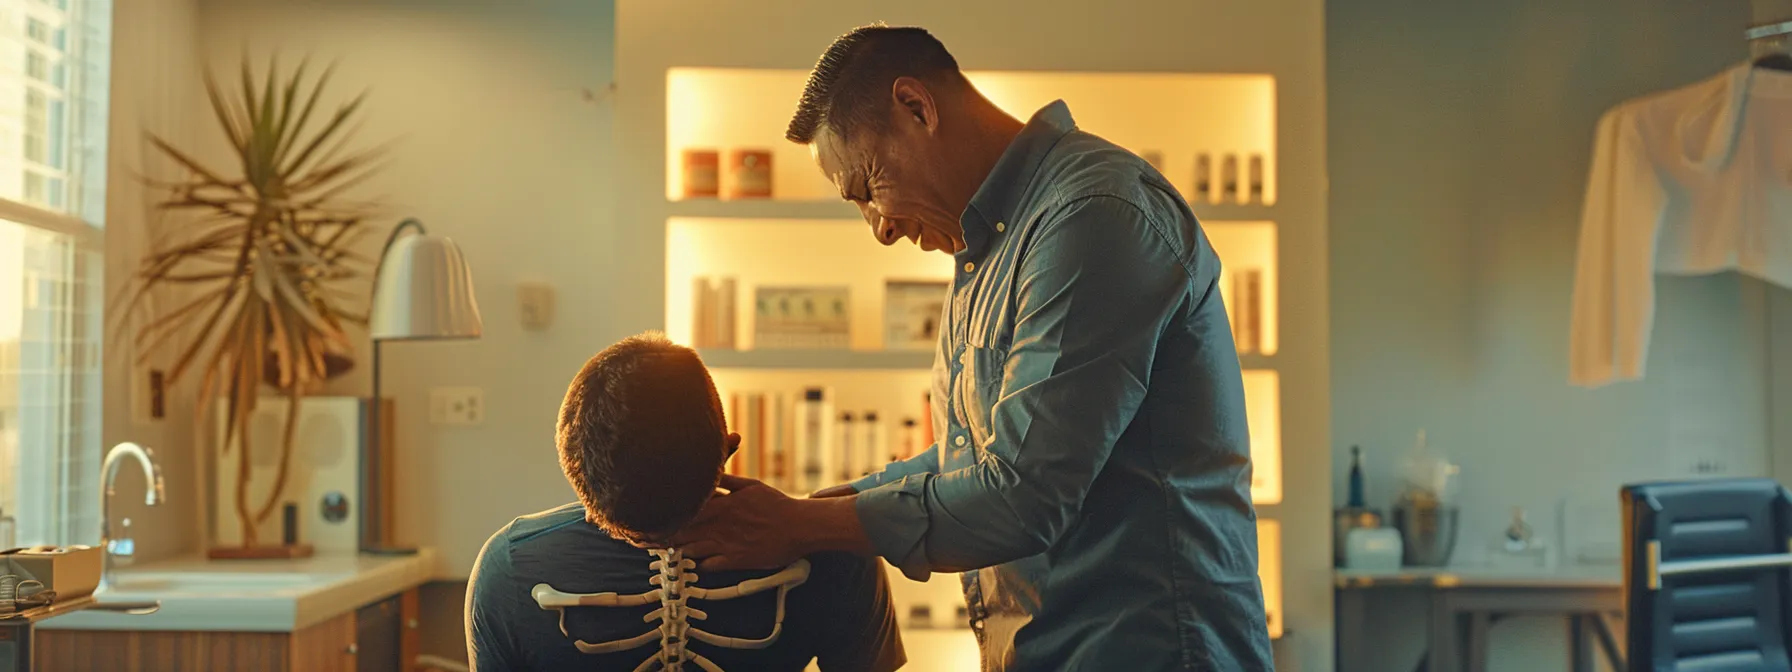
[1769, 30]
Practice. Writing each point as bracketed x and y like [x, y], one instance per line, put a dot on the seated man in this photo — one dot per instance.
[643, 442]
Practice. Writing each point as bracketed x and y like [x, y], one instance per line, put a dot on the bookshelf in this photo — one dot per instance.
[802, 235]
[1187, 80]
[868, 361]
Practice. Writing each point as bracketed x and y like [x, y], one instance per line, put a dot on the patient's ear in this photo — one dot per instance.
[730, 444]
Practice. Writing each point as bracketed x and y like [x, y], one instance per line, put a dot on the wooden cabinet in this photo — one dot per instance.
[331, 646]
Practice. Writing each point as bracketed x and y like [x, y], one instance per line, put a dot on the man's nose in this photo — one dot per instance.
[884, 229]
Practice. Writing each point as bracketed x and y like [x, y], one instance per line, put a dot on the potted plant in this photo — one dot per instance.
[261, 261]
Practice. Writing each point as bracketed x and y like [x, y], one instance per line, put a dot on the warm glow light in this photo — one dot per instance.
[1178, 115]
[1263, 413]
[1248, 245]
[1269, 571]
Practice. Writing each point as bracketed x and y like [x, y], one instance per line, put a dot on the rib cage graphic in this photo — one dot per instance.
[674, 582]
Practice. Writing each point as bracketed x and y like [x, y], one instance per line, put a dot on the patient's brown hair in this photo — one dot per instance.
[642, 438]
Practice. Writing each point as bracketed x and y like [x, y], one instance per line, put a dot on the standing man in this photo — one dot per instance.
[1092, 475]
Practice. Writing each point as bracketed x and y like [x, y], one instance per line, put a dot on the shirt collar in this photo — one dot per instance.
[1011, 179]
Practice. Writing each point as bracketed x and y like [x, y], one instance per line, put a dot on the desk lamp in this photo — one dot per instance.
[422, 291]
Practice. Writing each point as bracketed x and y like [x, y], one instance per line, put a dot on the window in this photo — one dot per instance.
[36, 66]
[52, 195]
[37, 126]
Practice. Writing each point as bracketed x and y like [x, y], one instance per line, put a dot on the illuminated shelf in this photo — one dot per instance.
[816, 359]
[1179, 116]
[1249, 246]
[1220, 213]
[1263, 415]
[1269, 572]
[765, 209]
[789, 253]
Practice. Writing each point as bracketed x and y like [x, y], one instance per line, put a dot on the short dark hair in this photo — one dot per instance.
[642, 437]
[853, 78]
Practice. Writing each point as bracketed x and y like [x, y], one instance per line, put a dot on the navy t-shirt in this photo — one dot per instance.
[841, 617]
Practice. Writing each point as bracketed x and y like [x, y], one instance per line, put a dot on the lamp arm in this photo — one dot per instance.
[371, 511]
[408, 223]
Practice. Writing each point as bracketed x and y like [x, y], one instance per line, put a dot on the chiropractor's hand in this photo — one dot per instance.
[840, 490]
[754, 526]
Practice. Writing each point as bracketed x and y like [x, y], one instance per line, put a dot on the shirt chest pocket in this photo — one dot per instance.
[977, 389]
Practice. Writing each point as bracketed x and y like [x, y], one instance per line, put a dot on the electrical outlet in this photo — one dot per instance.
[456, 406]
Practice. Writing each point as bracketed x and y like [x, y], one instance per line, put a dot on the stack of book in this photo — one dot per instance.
[712, 317]
[1247, 310]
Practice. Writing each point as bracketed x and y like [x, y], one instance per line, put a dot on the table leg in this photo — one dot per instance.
[1443, 656]
[1479, 623]
[1580, 655]
[1353, 645]
[1613, 655]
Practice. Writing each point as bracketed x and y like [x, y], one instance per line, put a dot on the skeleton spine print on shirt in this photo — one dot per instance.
[675, 581]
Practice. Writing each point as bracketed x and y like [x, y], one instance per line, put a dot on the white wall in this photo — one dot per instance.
[1460, 139]
[155, 88]
[497, 148]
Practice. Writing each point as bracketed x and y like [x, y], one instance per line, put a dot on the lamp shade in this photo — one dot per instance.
[424, 290]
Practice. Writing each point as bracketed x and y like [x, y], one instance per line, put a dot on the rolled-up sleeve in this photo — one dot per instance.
[926, 462]
[1096, 288]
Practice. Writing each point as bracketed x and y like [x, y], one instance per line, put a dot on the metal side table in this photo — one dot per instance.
[1464, 603]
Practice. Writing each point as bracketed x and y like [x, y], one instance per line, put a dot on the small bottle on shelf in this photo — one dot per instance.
[847, 457]
[778, 461]
[911, 433]
[1256, 173]
[1229, 179]
[813, 418]
[875, 454]
[1203, 177]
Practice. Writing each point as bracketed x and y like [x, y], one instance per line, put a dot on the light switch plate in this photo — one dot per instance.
[456, 406]
[535, 299]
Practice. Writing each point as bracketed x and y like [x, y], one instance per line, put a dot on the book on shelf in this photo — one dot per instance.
[713, 312]
[796, 441]
[1247, 310]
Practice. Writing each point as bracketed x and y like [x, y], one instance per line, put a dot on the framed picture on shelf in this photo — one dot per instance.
[912, 310]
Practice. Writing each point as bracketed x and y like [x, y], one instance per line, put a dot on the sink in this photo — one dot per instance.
[208, 583]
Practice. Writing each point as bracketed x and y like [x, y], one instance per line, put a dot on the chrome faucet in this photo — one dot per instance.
[124, 547]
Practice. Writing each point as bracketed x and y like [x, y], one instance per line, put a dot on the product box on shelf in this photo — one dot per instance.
[809, 318]
[702, 173]
[749, 173]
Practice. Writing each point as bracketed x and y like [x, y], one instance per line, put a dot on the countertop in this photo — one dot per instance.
[198, 594]
[1574, 576]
